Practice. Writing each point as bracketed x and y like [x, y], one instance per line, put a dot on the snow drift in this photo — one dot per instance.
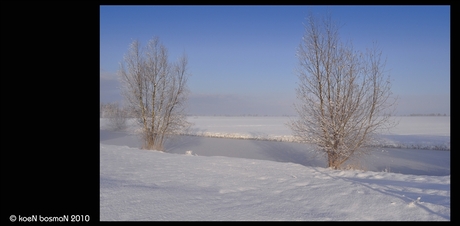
[141, 185]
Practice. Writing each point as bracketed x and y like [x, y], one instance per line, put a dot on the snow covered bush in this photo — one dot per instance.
[116, 116]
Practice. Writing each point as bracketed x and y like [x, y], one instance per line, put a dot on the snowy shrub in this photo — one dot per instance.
[116, 117]
[387, 170]
[189, 153]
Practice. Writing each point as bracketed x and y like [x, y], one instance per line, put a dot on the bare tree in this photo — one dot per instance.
[344, 95]
[155, 91]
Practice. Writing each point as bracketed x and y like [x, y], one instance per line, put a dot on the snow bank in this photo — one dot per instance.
[140, 185]
[405, 161]
[430, 133]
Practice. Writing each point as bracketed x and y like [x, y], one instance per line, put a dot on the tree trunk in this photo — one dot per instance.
[334, 159]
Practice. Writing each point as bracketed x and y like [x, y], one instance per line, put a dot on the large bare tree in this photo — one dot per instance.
[155, 91]
[344, 95]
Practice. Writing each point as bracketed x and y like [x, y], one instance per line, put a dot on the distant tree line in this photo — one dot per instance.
[432, 114]
[116, 115]
[240, 115]
[112, 109]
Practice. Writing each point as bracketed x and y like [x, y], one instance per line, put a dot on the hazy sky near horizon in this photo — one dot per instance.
[242, 58]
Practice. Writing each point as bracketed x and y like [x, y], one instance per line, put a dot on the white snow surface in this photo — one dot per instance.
[216, 179]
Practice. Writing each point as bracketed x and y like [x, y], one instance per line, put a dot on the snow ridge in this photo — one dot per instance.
[380, 143]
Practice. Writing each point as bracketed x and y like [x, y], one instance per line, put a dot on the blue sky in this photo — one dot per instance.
[242, 58]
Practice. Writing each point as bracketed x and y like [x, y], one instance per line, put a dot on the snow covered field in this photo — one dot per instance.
[203, 178]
